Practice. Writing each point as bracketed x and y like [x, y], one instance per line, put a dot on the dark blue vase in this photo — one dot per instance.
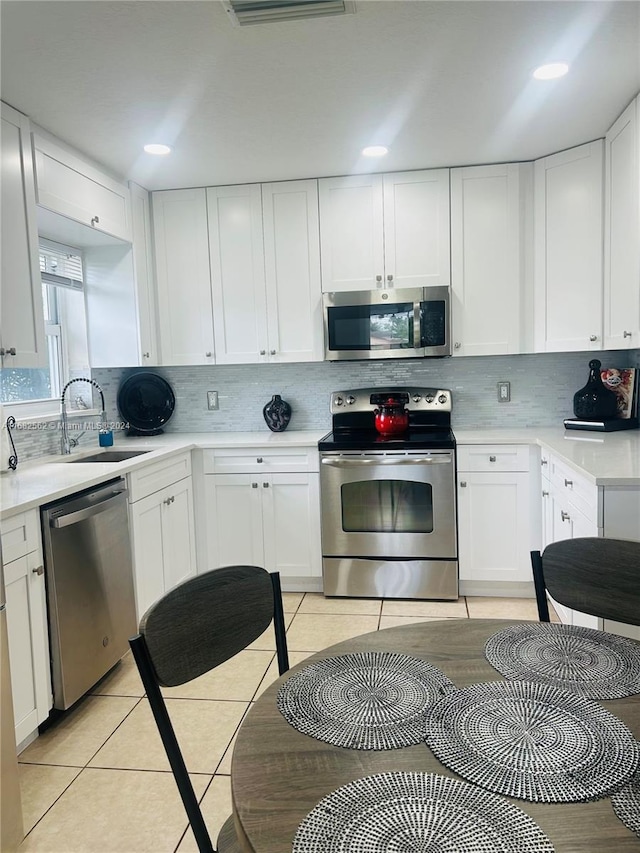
[277, 414]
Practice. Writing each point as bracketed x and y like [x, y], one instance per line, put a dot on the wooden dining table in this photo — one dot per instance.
[278, 774]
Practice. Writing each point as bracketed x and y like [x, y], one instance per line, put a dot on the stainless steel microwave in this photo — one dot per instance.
[412, 322]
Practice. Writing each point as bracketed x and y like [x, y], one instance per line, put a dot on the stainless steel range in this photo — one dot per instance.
[389, 502]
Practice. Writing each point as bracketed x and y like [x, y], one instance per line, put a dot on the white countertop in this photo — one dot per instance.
[50, 478]
[604, 458]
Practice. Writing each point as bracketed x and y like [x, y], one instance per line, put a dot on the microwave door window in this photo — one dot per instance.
[371, 327]
[387, 506]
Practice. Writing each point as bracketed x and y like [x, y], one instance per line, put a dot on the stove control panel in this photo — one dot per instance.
[414, 399]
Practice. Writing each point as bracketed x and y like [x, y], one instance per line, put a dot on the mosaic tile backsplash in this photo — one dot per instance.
[542, 389]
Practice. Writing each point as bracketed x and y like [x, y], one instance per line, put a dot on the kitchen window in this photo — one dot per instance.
[37, 390]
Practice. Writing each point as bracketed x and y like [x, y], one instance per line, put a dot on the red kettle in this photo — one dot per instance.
[391, 418]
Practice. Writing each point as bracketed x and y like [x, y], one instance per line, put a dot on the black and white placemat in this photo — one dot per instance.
[532, 741]
[626, 804]
[364, 700]
[593, 663]
[400, 812]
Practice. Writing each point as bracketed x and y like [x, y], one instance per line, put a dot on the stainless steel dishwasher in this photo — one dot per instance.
[89, 579]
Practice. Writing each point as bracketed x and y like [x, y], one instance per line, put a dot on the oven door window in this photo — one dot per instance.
[387, 506]
[371, 327]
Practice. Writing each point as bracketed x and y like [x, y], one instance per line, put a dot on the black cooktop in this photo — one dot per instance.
[415, 438]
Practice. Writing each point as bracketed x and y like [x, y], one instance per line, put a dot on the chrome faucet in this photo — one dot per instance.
[65, 441]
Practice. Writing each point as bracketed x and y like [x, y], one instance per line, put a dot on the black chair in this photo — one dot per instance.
[196, 626]
[598, 576]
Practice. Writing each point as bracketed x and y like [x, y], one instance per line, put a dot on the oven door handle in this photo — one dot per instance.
[418, 460]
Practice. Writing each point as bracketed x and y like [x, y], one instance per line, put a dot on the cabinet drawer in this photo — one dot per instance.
[154, 477]
[573, 488]
[20, 535]
[280, 459]
[490, 457]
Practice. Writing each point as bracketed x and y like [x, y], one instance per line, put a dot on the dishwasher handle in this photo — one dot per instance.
[88, 511]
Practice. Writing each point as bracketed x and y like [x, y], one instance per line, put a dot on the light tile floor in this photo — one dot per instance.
[98, 780]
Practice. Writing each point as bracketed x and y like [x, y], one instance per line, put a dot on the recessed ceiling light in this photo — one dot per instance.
[157, 148]
[375, 151]
[551, 71]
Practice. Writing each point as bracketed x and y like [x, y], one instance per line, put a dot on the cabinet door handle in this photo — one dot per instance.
[626, 334]
[272, 352]
[378, 280]
[463, 484]
[38, 571]
[9, 351]
[565, 516]
[145, 355]
[568, 483]
[457, 345]
[208, 354]
[265, 485]
[593, 337]
[544, 461]
[263, 352]
[254, 485]
[545, 494]
[259, 459]
[95, 220]
[492, 459]
[390, 280]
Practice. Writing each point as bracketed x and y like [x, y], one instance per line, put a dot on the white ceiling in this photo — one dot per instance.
[440, 83]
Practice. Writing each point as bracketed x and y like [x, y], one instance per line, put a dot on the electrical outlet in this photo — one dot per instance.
[212, 401]
[504, 392]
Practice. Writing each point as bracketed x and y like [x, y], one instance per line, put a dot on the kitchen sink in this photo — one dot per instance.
[110, 456]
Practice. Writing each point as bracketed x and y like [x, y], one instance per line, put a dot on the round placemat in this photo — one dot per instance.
[400, 812]
[365, 700]
[593, 663]
[532, 741]
[626, 804]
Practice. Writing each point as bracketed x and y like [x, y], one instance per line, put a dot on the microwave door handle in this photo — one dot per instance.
[418, 460]
[418, 343]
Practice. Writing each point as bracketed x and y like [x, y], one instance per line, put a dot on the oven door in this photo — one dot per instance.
[390, 505]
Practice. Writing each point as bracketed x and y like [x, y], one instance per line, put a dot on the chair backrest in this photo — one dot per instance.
[598, 576]
[208, 619]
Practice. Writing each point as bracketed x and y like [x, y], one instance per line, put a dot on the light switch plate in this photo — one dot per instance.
[212, 401]
[504, 392]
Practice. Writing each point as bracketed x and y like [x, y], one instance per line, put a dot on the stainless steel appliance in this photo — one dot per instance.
[90, 592]
[11, 826]
[389, 502]
[394, 323]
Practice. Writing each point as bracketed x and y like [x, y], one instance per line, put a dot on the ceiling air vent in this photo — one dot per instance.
[246, 12]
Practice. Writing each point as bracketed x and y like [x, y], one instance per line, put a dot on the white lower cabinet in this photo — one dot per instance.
[494, 519]
[268, 515]
[569, 511]
[26, 623]
[162, 533]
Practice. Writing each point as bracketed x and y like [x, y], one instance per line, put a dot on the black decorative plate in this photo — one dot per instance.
[401, 812]
[364, 700]
[146, 401]
[626, 804]
[532, 741]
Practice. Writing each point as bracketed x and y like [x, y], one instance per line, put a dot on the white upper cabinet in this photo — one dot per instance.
[622, 232]
[292, 271]
[144, 279]
[181, 244]
[491, 240]
[385, 230]
[568, 258]
[67, 185]
[22, 339]
[237, 273]
[265, 272]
